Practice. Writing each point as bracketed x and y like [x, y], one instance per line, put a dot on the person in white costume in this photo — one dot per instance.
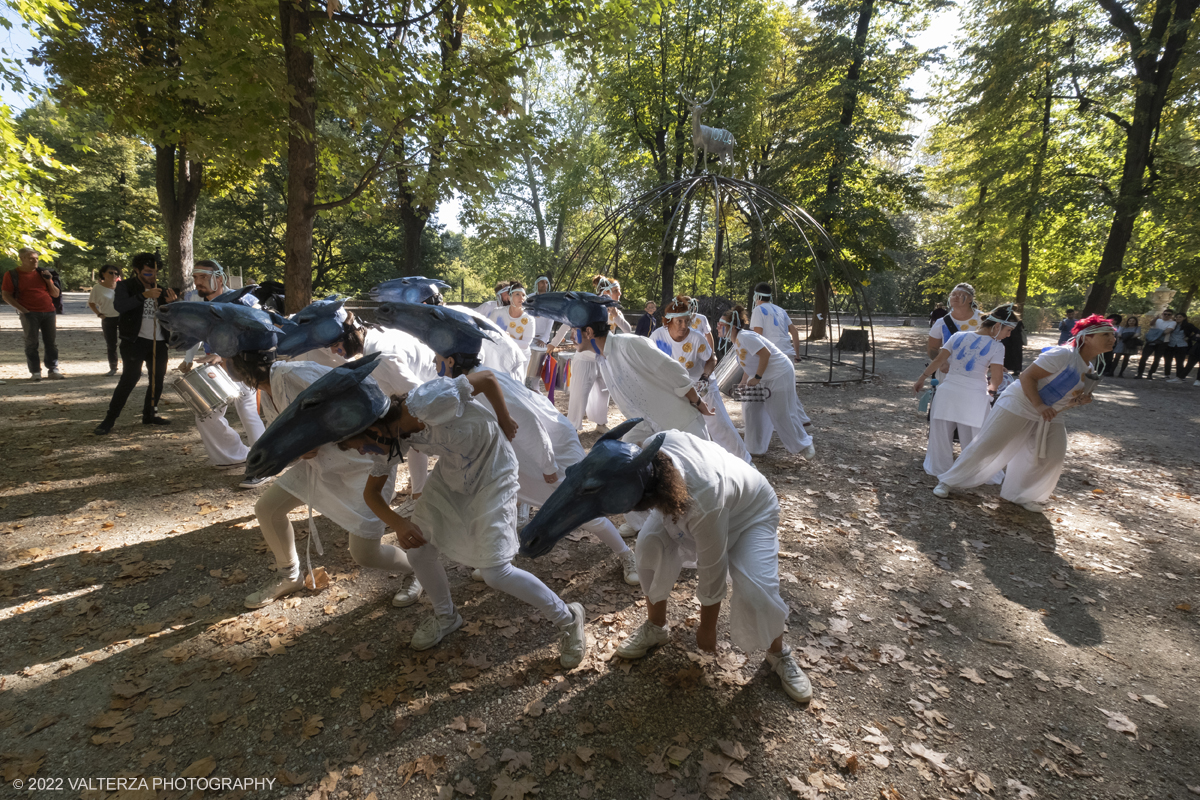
[468, 510]
[1024, 433]
[963, 316]
[693, 350]
[709, 506]
[608, 287]
[771, 321]
[763, 363]
[542, 329]
[545, 443]
[514, 320]
[328, 480]
[587, 393]
[222, 443]
[964, 396]
[501, 355]
[404, 364]
[489, 307]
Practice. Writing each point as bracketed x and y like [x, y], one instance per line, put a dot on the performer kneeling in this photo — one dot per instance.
[327, 479]
[468, 509]
[706, 505]
[976, 362]
[1023, 433]
[764, 363]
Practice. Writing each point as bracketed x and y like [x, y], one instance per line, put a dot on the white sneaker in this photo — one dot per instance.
[573, 643]
[941, 490]
[602, 429]
[644, 639]
[434, 629]
[477, 575]
[35, 376]
[408, 595]
[1197, 383]
[629, 567]
[1036, 508]
[279, 586]
[1169, 380]
[627, 531]
[255, 483]
[56, 375]
[795, 682]
[808, 452]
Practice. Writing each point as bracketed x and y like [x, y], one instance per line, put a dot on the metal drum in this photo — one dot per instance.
[728, 373]
[206, 388]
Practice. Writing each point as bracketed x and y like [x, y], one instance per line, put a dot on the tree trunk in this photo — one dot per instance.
[1035, 197]
[413, 220]
[1167, 33]
[178, 181]
[822, 287]
[1182, 306]
[295, 30]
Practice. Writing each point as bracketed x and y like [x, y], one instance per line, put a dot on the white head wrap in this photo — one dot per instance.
[440, 400]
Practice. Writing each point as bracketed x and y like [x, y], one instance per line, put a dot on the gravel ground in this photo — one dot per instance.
[957, 648]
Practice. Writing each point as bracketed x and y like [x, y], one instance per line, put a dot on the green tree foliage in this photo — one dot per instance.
[106, 199]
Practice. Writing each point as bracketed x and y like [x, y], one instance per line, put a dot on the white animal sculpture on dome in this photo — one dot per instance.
[717, 141]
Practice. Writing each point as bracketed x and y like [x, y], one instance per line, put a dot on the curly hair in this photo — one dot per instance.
[666, 491]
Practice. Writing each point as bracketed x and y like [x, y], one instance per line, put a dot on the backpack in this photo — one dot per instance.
[16, 284]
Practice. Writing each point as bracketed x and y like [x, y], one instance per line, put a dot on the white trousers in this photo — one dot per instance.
[587, 394]
[534, 491]
[720, 425]
[757, 614]
[222, 443]
[781, 413]
[1008, 441]
[272, 511]
[418, 470]
[505, 578]
[939, 456]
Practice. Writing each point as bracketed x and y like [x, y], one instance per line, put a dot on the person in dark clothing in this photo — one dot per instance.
[1014, 343]
[938, 312]
[143, 340]
[647, 324]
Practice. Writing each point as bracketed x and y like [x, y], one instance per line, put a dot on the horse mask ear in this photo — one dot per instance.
[643, 459]
[616, 433]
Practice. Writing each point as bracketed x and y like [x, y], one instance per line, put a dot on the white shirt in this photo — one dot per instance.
[405, 361]
[151, 329]
[520, 328]
[780, 371]
[102, 297]
[727, 496]
[939, 330]
[692, 352]
[700, 324]
[971, 354]
[1058, 390]
[774, 322]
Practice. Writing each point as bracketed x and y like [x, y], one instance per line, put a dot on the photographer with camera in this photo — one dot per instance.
[31, 290]
[143, 340]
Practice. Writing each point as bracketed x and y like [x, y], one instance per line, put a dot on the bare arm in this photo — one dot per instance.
[995, 377]
[408, 534]
[50, 287]
[485, 383]
[1029, 381]
[95, 309]
[932, 347]
[764, 356]
[795, 333]
[942, 357]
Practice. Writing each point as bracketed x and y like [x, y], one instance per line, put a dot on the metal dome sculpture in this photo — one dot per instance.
[766, 221]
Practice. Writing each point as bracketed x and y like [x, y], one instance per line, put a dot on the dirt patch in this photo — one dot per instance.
[957, 648]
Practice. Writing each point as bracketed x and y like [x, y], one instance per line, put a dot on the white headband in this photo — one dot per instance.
[1088, 331]
[762, 295]
[1008, 323]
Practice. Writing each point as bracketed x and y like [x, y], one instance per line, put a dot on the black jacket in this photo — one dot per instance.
[128, 299]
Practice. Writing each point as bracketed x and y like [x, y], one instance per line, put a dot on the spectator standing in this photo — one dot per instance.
[1178, 344]
[138, 298]
[1128, 341]
[938, 312]
[100, 301]
[1156, 343]
[647, 324]
[1014, 343]
[1065, 326]
[31, 291]
[1193, 357]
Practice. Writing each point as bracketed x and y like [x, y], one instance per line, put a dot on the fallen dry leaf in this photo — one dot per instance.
[971, 675]
[1119, 722]
[201, 768]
